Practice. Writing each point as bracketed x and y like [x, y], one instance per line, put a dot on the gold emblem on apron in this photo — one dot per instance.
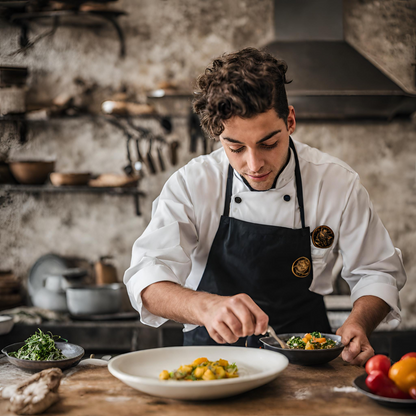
[301, 267]
[322, 237]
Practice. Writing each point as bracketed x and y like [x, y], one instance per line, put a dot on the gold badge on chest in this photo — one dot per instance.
[322, 237]
[301, 267]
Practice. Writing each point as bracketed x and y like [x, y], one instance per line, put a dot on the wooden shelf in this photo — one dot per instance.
[35, 189]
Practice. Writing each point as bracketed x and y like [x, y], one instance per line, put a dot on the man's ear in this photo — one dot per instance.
[291, 120]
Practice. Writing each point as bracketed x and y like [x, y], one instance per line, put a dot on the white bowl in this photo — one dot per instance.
[6, 324]
[141, 370]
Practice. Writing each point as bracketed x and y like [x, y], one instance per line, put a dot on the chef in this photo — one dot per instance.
[247, 236]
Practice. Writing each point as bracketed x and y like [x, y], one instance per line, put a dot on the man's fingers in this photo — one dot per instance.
[351, 350]
[357, 352]
[346, 337]
[260, 318]
[362, 358]
[225, 333]
[241, 321]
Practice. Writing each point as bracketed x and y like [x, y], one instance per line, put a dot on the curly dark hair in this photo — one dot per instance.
[243, 84]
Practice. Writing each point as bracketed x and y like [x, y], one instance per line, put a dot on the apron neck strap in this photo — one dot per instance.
[298, 178]
[229, 191]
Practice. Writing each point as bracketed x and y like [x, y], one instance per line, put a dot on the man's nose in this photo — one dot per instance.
[254, 161]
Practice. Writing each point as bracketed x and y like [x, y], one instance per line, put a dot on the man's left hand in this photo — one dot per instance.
[357, 347]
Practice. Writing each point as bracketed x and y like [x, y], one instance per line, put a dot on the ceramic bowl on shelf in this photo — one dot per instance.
[70, 179]
[6, 324]
[31, 172]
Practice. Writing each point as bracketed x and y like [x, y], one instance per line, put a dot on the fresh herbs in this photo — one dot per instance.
[40, 347]
[296, 343]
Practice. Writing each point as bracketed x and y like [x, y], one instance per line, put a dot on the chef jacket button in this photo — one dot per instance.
[286, 198]
[238, 199]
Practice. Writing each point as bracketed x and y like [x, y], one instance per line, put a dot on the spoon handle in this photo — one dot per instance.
[270, 330]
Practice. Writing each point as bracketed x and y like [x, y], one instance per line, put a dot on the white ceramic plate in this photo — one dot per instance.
[141, 370]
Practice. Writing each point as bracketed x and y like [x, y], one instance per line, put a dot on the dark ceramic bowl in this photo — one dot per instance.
[359, 384]
[72, 351]
[304, 357]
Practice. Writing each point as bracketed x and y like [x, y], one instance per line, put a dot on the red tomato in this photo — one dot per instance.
[380, 384]
[378, 363]
[409, 354]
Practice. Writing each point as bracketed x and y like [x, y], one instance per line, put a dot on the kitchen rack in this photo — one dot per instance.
[36, 189]
[56, 18]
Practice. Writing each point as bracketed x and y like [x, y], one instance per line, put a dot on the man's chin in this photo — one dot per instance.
[260, 186]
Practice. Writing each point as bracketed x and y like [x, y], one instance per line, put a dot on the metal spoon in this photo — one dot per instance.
[283, 344]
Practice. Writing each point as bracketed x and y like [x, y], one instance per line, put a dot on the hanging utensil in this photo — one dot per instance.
[166, 124]
[160, 158]
[128, 169]
[139, 165]
[149, 158]
[173, 148]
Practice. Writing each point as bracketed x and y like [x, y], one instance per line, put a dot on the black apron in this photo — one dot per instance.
[262, 261]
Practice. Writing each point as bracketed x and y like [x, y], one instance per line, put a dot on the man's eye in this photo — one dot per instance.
[269, 146]
[240, 149]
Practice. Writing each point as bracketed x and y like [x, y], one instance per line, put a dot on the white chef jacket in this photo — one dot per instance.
[185, 218]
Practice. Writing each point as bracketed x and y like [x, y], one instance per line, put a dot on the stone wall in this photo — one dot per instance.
[173, 41]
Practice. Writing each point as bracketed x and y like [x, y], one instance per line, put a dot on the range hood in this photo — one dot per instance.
[331, 79]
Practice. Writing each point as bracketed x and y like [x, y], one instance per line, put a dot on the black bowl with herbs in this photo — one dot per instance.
[41, 351]
[297, 354]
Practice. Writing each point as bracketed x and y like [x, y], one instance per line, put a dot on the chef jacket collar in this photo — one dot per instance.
[282, 178]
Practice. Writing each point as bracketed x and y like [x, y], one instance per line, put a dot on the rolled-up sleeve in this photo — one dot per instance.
[163, 251]
[371, 264]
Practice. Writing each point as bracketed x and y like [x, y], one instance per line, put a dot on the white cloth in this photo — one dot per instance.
[185, 218]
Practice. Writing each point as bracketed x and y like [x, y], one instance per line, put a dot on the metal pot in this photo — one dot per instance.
[94, 300]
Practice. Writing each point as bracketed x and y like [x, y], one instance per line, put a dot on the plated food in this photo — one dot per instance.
[39, 347]
[311, 341]
[141, 370]
[323, 349]
[40, 351]
[202, 369]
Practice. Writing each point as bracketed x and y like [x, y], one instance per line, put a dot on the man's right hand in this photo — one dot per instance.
[228, 318]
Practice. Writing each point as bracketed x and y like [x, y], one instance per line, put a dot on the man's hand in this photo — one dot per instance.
[228, 318]
[357, 347]
[367, 313]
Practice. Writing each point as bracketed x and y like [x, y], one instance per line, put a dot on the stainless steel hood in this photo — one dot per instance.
[331, 79]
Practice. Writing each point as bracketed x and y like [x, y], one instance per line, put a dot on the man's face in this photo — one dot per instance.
[257, 147]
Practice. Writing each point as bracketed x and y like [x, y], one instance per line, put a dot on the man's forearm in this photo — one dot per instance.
[368, 312]
[172, 301]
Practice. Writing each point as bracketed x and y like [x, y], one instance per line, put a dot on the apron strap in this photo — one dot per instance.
[298, 179]
[228, 192]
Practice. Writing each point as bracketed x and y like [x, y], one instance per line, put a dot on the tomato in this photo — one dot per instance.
[408, 355]
[412, 392]
[381, 385]
[378, 363]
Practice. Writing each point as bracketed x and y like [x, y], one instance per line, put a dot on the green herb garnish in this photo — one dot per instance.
[40, 347]
[296, 343]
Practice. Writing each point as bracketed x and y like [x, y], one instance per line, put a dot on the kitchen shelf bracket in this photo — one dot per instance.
[37, 189]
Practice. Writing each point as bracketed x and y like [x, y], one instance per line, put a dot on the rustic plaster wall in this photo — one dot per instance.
[174, 40]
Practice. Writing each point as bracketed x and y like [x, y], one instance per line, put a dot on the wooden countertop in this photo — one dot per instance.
[327, 390]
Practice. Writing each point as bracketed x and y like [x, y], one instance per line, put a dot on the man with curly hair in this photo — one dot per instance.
[247, 236]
